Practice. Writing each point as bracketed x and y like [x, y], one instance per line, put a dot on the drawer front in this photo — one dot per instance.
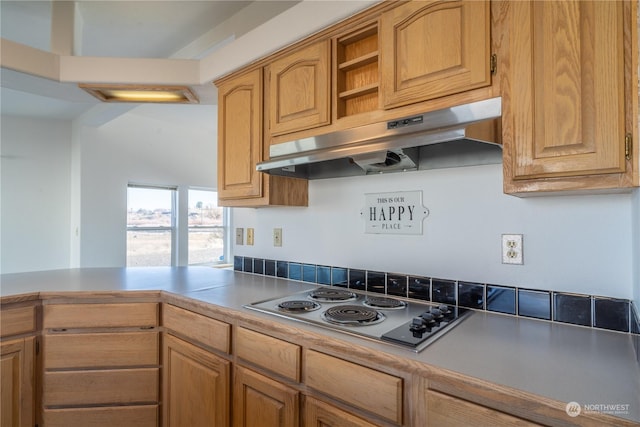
[101, 387]
[447, 410]
[100, 350]
[365, 388]
[16, 321]
[100, 315]
[273, 354]
[122, 416]
[196, 327]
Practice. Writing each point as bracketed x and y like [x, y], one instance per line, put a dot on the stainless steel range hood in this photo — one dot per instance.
[405, 144]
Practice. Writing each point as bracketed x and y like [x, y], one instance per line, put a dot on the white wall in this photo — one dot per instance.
[571, 243]
[35, 193]
[635, 230]
[144, 146]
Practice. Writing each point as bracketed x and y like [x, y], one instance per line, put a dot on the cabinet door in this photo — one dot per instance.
[240, 137]
[299, 85]
[196, 386]
[432, 49]
[17, 382]
[320, 414]
[565, 113]
[262, 402]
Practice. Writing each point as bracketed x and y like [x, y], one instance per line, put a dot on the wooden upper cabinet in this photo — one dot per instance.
[299, 89]
[430, 49]
[241, 146]
[569, 105]
[240, 136]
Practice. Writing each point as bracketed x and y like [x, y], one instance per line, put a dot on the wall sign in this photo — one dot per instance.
[398, 212]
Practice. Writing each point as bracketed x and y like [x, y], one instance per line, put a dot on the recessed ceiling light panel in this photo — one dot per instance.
[141, 93]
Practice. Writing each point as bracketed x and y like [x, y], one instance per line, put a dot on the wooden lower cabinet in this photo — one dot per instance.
[259, 401]
[195, 386]
[100, 364]
[17, 382]
[321, 414]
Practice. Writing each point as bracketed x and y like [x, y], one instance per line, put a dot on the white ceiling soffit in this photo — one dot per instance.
[304, 18]
[40, 45]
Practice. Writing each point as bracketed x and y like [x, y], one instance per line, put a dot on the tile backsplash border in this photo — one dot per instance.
[595, 311]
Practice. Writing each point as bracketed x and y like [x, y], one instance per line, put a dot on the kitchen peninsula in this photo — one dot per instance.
[172, 330]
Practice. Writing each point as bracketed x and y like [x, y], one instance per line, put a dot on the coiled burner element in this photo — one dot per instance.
[384, 303]
[298, 306]
[352, 315]
[332, 295]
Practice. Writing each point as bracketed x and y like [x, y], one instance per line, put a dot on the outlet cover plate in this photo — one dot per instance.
[277, 237]
[512, 249]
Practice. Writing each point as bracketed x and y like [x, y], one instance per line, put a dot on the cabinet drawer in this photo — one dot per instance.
[273, 354]
[373, 391]
[447, 410]
[209, 332]
[100, 350]
[100, 315]
[122, 416]
[101, 387]
[17, 321]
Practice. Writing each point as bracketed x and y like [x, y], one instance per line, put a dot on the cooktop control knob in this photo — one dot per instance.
[444, 308]
[427, 317]
[437, 313]
[417, 325]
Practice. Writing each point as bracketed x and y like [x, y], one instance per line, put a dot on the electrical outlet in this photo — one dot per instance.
[277, 237]
[250, 236]
[239, 236]
[512, 249]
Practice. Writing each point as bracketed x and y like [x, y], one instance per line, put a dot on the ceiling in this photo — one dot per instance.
[179, 29]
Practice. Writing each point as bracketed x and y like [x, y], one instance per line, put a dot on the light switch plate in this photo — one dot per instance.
[239, 236]
[512, 249]
[250, 236]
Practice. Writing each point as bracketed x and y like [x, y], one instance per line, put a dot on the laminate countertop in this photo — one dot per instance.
[594, 367]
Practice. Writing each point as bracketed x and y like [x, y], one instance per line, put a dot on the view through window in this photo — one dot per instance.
[155, 220]
[206, 228]
[150, 226]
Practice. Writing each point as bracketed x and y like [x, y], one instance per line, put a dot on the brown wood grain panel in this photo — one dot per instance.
[196, 386]
[100, 350]
[100, 315]
[114, 386]
[446, 410]
[270, 353]
[321, 414]
[365, 388]
[19, 320]
[260, 401]
[210, 332]
[121, 416]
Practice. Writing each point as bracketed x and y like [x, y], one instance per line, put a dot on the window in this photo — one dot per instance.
[151, 226]
[207, 228]
[172, 226]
